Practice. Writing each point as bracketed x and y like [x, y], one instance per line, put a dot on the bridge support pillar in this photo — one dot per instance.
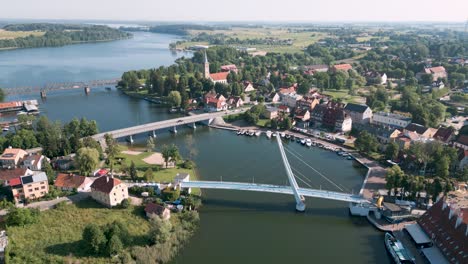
[154, 134]
[43, 94]
[130, 139]
[300, 206]
[174, 130]
[193, 125]
[87, 90]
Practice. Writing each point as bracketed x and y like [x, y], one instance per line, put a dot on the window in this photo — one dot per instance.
[115, 194]
[43, 187]
[29, 185]
[36, 189]
[30, 190]
[42, 192]
[43, 182]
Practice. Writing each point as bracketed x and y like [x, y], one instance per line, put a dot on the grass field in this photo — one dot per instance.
[343, 94]
[57, 236]
[4, 34]
[300, 39]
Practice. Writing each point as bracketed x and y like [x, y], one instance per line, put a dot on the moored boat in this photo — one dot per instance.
[274, 134]
[6, 128]
[268, 134]
[282, 134]
[303, 141]
[308, 142]
[399, 253]
[258, 133]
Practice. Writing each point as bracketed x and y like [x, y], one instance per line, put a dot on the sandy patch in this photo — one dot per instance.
[155, 159]
[131, 152]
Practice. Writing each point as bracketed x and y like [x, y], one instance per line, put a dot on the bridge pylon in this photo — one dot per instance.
[300, 205]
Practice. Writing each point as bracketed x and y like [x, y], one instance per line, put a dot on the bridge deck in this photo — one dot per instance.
[124, 132]
[337, 196]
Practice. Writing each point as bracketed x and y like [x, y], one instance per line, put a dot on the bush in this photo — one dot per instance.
[125, 203]
[22, 216]
[188, 164]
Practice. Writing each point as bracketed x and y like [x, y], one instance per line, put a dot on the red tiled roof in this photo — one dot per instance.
[444, 133]
[437, 69]
[7, 175]
[343, 67]
[69, 180]
[219, 76]
[153, 208]
[10, 105]
[105, 184]
[229, 67]
[441, 225]
[15, 181]
[463, 139]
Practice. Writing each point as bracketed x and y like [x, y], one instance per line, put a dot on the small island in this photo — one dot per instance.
[37, 35]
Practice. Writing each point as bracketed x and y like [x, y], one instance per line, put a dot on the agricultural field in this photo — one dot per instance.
[4, 34]
[300, 39]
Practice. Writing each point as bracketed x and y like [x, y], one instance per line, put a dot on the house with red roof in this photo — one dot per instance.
[229, 68]
[436, 72]
[215, 102]
[109, 191]
[461, 142]
[341, 67]
[220, 77]
[70, 182]
[248, 87]
[447, 226]
[235, 101]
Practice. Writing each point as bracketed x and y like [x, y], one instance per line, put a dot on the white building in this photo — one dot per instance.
[109, 191]
[290, 99]
[390, 119]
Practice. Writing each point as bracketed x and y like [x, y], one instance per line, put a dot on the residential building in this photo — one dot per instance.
[445, 134]
[384, 135]
[302, 114]
[215, 102]
[33, 162]
[463, 159]
[332, 116]
[307, 103]
[291, 99]
[274, 98]
[153, 210]
[109, 191]
[461, 142]
[64, 163]
[374, 77]
[287, 90]
[11, 157]
[271, 112]
[30, 187]
[248, 87]
[341, 67]
[70, 182]
[6, 175]
[359, 113]
[220, 77]
[229, 68]
[446, 223]
[312, 69]
[436, 72]
[11, 106]
[390, 119]
[284, 109]
[235, 101]
[422, 131]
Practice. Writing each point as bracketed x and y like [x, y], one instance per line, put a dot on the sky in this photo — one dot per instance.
[238, 10]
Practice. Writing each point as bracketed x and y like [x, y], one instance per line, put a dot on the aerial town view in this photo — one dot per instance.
[207, 132]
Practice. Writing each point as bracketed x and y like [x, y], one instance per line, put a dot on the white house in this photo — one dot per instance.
[109, 191]
[360, 113]
[290, 99]
[390, 119]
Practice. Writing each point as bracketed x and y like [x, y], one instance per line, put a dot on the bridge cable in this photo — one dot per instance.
[319, 173]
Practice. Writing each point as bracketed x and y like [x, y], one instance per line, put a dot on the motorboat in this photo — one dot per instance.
[268, 134]
[283, 134]
[239, 132]
[399, 253]
[308, 142]
[274, 134]
[258, 133]
[303, 141]
[6, 128]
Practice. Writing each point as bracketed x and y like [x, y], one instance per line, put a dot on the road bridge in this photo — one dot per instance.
[58, 86]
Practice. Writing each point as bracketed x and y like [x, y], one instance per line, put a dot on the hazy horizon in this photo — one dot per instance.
[295, 11]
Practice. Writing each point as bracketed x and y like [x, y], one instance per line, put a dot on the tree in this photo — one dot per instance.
[169, 153]
[112, 150]
[94, 238]
[47, 168]
[286, 123]
[114, 246]
[366, 142]
[133, 171]
[87, 160]
[149, 174]
[160, 230]
[21, 216]
[304, 87]
[174, 98]
[394, 178]
[150, 144]
[391, 153]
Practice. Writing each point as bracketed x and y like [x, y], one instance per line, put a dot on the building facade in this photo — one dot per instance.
[109, 191]
[390, 120]
[11, 157]
[359, 113]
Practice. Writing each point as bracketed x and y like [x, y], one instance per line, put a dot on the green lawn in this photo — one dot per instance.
[343, 94]
[56, 237]
[262, 122]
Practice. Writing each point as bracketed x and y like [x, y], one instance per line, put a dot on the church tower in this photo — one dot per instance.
[207, 67]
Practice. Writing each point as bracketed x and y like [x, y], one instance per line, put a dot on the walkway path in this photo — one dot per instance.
[45, 205]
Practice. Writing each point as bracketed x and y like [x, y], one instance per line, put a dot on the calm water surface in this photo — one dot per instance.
[236, 227]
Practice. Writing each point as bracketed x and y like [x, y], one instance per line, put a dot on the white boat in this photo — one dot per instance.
[308, 142]
[283, 134]
[399, 253]
[303, 141]
[268, 134]
[21, 113]
[274, 134]
[258, 133]
[239, 132]
[6, 128]
[251, 133]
